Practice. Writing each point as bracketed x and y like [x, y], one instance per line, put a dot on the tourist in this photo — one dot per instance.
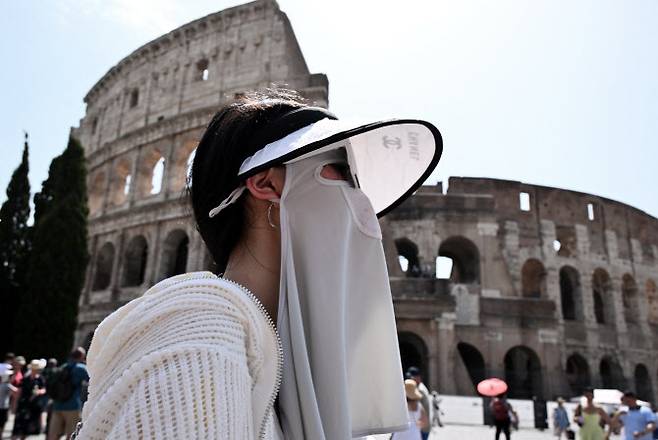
[51, 367]
[638, 421]
[503, 415]
[591, 418]
[560, 419]
[436, 410]
[286, 199]
[417, 415]
[6, 390]
[30, 401]
[414, 373]
[66, 407]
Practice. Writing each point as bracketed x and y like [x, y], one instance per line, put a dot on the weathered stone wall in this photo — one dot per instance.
[143, 121]
[569, 285]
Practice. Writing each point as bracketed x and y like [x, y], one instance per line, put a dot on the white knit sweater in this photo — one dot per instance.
[196, 357]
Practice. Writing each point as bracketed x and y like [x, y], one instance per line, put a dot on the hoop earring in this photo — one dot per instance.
[269, 216]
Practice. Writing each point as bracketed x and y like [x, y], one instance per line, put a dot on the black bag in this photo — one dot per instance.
[570, 434]
[60, 384]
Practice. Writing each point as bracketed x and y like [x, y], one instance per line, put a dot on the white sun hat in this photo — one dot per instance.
[388, 160]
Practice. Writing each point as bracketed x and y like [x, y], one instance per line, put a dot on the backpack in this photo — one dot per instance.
[60, 383]
[500, 411]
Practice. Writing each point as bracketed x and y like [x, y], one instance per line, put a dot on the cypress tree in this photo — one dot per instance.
[14, 249]
[58, 260]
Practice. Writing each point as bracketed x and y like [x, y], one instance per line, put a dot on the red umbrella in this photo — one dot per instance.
[492, 387]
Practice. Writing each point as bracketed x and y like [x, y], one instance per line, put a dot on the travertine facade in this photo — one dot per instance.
[551, 289]
[143, 121]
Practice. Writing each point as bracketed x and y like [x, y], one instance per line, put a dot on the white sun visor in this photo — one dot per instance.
[389, 159]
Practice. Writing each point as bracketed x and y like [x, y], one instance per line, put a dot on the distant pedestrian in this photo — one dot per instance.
[436, 410]
[51, 367]
[639, 422]
[560, 419]
[19, 364]
[65, 389]
[503, 415]
[417, 415]
[591, 418]
[414, 373]
[6, 390]
[30, 402]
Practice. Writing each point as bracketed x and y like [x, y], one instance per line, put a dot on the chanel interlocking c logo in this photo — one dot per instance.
[391, 142]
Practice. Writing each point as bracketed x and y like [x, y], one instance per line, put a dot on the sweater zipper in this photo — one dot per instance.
[279, 364]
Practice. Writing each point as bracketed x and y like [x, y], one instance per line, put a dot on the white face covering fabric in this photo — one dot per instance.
[342, 376]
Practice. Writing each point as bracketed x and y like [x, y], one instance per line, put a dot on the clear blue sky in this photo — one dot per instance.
[558, 93]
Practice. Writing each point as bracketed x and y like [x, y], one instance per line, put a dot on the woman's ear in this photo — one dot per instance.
[268, 184]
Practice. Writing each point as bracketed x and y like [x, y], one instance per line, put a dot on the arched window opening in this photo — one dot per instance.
[202, 71]
[135, 262]
[443, 268]
[652, 301]
[413, 353]
[122, 180]
[465, 259]
[570, 294]
[96, 193]
[566, 236]
[188, 166]
[473, 361]
[602, 295]
[104, 264]
[578, 374]
[408, 257]
[612, 375]
[630, 298]
[533, 279]
[157, 174]
[134, 98]
[643, 386]
[523, 373]
[174, 254]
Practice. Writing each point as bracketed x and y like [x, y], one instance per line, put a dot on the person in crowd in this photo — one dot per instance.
[503, 415]
[591, 418]
[18, 365]
[417, 415]
[560, 419]
[638, 421]
[30, 402]
[414, 373]
[66, 412]
[436, 410]
[6, 390]
[286, 198]
[654, 408]
[51, 367]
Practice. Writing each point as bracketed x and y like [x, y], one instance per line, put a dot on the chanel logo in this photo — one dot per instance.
[389, 143]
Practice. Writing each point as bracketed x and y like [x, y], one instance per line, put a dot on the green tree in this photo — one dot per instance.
[58, 260]
[14, 248]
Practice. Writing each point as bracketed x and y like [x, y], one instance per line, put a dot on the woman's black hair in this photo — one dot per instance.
[226, 143]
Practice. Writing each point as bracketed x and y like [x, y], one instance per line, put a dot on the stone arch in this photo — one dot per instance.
[150, 173]
[96, 192]
[465, 259]
[473, 361]
[533, 279]
[408, 257]
[121, 182]
[643, 386]
[652, 301]
[578, 374]
[603, 297]
[612, 375]
[174, 254]
[523, 373]
[630, 298]
[181, 165]
[414, 353]
[135, 259]
[103, 269]
[570, 294]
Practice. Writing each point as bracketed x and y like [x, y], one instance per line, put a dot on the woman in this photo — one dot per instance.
[298, 331]
[591, 418]
[560, 419]
[417, 416]
[30, 402]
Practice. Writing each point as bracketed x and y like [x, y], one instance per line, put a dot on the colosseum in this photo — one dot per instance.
[548, 288]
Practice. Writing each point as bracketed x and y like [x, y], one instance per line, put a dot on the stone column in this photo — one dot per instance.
[117, 267]
[445, 326]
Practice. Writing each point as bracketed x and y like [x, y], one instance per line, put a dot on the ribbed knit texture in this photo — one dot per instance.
[177, 363]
